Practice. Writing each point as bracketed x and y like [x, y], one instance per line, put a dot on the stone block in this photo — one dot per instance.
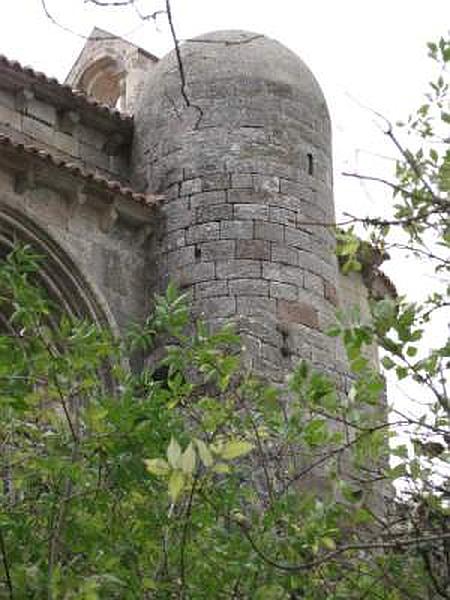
[42, 111]
[172, 192]
[251, 211]
[91, 136]
[282, 215]
[176, 207]
[263, 329]
[216, 212]
[273, 232]
[239, 230]
[90, 155]
[174, 174]
[194, 273]
[265, 183]
[205, 289]
[288, 202]
[218, 306]
[310, 262]
[292, 188]
[235, 269]
[253, 249]
[271, 353]
[217, 250]
[175, 239]
[314, 283]
[330, 293]
[283, 273]
[10, 117]
[285, 291]
[298, 238]
[298, 312]
[202, 233]
[208, 199]
[257, 306]
[181, 257]
[178, 218]
[39, 131]
[268, 371]
[216, 181]
[8, 99]
[243, 196]
[284, 254]
[249, 287]
[191, 186]
[241, 181]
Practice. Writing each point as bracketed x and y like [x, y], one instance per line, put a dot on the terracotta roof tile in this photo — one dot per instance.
[89, 176]
[69, 93]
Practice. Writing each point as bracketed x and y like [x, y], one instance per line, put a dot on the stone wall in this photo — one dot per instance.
[69, 127]
[100, 270]
[112, 67]
[246, 171]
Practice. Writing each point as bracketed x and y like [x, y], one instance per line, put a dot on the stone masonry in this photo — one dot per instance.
[247, 176]
[221, 182]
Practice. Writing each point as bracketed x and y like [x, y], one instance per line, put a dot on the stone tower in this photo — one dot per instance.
[215, 173]
[240, 146]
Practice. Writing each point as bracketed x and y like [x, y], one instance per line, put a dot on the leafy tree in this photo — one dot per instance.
[207, 482]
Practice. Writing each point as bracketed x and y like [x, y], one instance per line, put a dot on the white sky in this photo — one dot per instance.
[363, 53]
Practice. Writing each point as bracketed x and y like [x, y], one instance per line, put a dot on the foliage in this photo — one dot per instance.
[191, 479]
[203, 484]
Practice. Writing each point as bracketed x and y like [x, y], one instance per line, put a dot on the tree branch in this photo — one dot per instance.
[6, 566]
[395, 545]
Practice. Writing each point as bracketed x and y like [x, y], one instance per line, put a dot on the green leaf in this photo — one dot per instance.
[271, 592]
[398, 471]
[334, 331]
[328, 543]
[400, 451]
[221, 468]
[157, 466]
[204, 453]
[387, 363]
[176, 484]
[174, 453]
[235, 449]
[187, 461]
[401, 372]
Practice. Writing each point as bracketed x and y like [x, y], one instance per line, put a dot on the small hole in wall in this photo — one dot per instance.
[285, 350]
[310, 163]
[197, 253]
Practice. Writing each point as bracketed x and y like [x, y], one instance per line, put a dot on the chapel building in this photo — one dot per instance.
[215, 173]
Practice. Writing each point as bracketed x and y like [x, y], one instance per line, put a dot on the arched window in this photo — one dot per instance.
[105, 81]
[66, 286]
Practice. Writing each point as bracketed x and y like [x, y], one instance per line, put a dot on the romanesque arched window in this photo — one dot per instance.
[105, 81]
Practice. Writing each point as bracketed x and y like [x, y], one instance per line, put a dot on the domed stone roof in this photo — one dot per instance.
[232, 80]
[242, 57]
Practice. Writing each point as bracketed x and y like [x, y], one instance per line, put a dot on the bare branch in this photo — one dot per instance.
[6, 566]
[110, 2]
[381, 545]
[181, 66]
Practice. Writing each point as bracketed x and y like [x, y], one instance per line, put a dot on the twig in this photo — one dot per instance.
[77, 34]
[396, 545]
[6, 566]
[110, 2]
[184, 536]
[178, 54]
[181, 66]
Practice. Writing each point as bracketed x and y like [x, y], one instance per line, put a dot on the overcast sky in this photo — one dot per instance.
[364, 54]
